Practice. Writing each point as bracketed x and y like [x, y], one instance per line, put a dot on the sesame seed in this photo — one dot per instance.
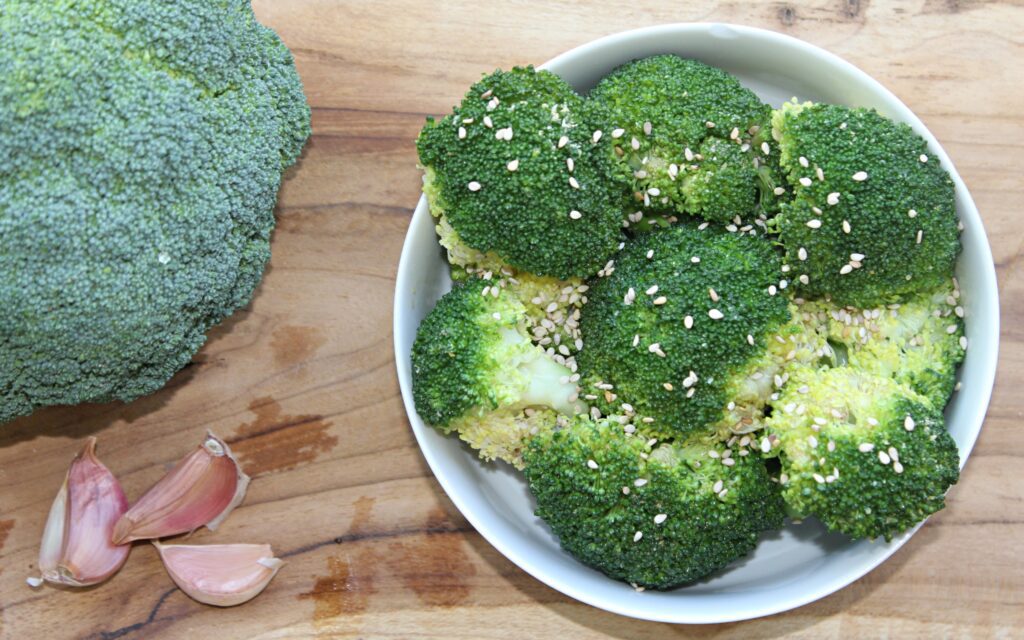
[637, 536]
[512, 165]
[625, 491]
[811, 440]
[805, 181]
[488, 122]
[713, 294]
[695, 260]
[801, 253]
[951, 329]
[650, 253]
[766, 445]
[893, 453]
[883, 457]
[654, 191]
[575, 215]
[486, 94]
[591, 464]
[814, 223]
[819, 173]
[617, 133]
[963, 342]
[866, 447]
[842, 126]
[845, 269]
[772, 290]
[831, 445]
[833, 198]
[639, 482]
[873, 422]
[908, 423]
[655, 348]
[661, 517]
[564, 140]
[709, 124]
[647, 128]
[819, 479]
[912, 213]
[713, 454]
[860, 176]
[668, 386]
[846, 226]
[923, 158]
[688, 322]
[715, 314]
[660, 300]
[473, 186]
[688, 154]
[717, 488]
[816, 211]
[570, 163]
[765, 149]
[728, 462]
[497, 316]
[750, 339]
[597, 136]
[804, 279]
[462, 133]
[920, 235]
[897, 467]
[573, 182]
[778, 191]
[652, 290]
[636, 339]
[734, 134]
[804, 163]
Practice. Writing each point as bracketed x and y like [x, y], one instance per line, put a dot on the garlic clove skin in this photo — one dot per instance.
[201, 490]
[76, 549]
[223, 575]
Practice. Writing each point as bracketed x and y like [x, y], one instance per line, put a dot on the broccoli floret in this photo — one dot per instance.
[677, 138]
[475, 371]
[655, 515]
[873, 216]
[141, 152]
[861, 452]
[680, 313]
[919, 343]
[512, 170]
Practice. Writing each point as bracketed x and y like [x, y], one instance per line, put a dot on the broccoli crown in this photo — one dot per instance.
[472, 358]
[861, 452]
[665, 334]
[657, 516]
[873, 216]
[141, 150]
[677, 137]
[919, 343]
[513, 171]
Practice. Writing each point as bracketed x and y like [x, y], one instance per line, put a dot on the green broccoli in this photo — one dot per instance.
[919, 343]
[141, 151]
[681, 312]
[873, 216]
[655, 515]
[476, 372]
[678, 138]
[866, 455]
[512, 171]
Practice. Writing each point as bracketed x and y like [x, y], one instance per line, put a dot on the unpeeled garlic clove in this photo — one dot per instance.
[220, 574]
[202, 489]
[76, 549]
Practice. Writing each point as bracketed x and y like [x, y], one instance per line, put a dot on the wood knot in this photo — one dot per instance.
[787, 15]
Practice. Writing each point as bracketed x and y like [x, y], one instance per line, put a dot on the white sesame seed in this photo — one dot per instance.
[860, 176]
[512, 165]
[591, 464]
[833, 198]
[842, 126]
[715, 314]
[920, 235]
[819, 479]
[951, 329]
[473, 186]
[893, 453]
[647, 128]
[575, 215]
[695, 260]
[660, 300]
[845, 269]
[713, 454]
[804, 163]
[650, 253]
[734, 134]
[801, 253]
[772, 290]
[713, 294]
[709, 124]
[816, 211]
[639, 482]
[668, 386]
[617, 133]
[688, 322]
[635, 144]
[912, 213]
[897, 467]
[831, 446]
[846, 226]
[866, 447]
[573, 182]
[805, 181]
[597, 136]
[625, 491]
[728, 462]
[570, 164]
[637, 536]
[811, 440]
[661, 517]
[636, 339]
[488, 122]
[654, 191]
[873, 422]
[923, 158]
[883, 457]
[963, 342]
[750, 339]
[564, 140]
[814, 223]
[778, 191]
[765, 149]
[653, 289]
[804, 279]
[908, 423]
[462, 133]
[766, 445]
[688, 154]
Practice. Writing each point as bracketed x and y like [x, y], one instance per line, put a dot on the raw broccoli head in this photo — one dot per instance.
[666, 334]
[475, 371]
[919, 343]
[677, 137]
[512, 171]
[141, 152]
[873, 216]
[656, 516]
[864, 454]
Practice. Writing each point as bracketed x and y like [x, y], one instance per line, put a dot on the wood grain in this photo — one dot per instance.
[303, 384]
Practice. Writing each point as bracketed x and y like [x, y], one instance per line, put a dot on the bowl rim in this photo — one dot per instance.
[989, 321]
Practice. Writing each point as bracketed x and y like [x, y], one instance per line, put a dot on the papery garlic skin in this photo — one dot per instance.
[222, 575]
[76, 548]
[201, 490]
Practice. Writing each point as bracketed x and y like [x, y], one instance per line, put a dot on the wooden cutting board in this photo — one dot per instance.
[302, 382]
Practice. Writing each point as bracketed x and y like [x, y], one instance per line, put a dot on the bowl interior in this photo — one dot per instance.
[791, 567]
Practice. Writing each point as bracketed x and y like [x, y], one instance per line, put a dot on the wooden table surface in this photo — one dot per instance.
[303, 385]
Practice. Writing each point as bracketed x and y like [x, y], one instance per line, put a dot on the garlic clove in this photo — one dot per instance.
[220, 574]
[76, 549]
[202, 489]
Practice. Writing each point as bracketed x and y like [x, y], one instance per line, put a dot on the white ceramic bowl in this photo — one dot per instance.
[802, 562]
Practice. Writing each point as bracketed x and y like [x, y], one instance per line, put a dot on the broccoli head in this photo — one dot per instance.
[677, 138]
[655, 515]
[512, 171]
[919, 343]
[861, 452]
[142, 145]
[873, 215]
[679, 314]
[475, 371]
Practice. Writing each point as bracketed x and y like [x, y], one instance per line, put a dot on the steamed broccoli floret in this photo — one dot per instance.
[677, 137]
[512, 170]
[476, 372]
[656, 516]
[873, 216]
[919, 343]
[864, 454]
[141, 149]
[681, 313]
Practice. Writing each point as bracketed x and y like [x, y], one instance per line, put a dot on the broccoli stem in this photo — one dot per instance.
[547, 387]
